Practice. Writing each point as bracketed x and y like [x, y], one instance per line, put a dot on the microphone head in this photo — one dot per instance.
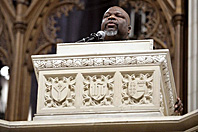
[101, 35]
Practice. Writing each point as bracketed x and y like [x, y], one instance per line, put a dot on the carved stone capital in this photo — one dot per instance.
[24, 2]
[178, 19]
[20, 26]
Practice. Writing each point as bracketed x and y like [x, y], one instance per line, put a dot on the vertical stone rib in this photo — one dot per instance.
[15, 101]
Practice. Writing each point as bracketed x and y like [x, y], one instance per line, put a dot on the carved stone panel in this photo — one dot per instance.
[137, 88]
[98, 90]
[136, 83]
[59, 92]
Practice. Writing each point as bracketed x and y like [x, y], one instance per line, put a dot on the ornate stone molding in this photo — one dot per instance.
[98, 61]
[134, 60]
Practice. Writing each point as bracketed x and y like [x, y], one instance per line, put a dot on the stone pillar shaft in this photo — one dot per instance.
[17, 108]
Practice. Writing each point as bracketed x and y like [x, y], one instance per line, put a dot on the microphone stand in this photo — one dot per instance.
[92, 38]
[83, 40]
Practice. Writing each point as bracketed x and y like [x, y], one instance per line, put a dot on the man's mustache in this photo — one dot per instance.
[111, 21]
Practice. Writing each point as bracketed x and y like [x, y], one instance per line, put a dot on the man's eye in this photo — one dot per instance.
[105, 16]
[120, 16]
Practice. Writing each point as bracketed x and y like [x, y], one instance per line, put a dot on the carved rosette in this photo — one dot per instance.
[98, 90]
[59, 92]
[137, 88]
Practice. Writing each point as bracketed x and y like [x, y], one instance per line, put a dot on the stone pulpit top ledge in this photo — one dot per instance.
[105, 47]
[98, 80]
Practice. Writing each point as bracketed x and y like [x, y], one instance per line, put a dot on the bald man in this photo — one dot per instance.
[116, 24]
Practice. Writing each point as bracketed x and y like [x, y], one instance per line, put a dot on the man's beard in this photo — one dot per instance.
[111, 32]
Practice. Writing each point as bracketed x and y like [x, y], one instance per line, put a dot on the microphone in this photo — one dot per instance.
[100, 35]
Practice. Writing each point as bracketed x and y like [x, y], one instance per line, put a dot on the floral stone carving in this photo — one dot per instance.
[155, 58]
[59, 92]
[137, 88]
[98, 90]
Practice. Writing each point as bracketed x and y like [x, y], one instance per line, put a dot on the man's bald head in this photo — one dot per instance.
[116, 24]
[122, 11]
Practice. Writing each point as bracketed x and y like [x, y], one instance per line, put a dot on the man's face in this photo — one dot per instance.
[116, 23]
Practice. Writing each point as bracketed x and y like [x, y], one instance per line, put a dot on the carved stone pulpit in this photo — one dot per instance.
[99, 80]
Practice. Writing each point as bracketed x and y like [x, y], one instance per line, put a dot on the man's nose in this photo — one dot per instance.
[112, 17]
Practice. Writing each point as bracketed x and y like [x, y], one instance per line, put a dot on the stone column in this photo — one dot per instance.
[192, 55]
[178, 20]
[18, 96]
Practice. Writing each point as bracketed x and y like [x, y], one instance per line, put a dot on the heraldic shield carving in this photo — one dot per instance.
[98, 90]
[137, 88]
[59, 91]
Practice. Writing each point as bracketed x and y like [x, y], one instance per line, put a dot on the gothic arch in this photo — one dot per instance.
[5, 41]
[158, 17]
[41, 32]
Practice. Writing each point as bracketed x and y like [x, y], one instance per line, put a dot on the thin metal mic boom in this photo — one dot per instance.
[100, 35]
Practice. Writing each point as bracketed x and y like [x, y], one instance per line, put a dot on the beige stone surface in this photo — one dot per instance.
[187, 123]
[104, 47]
[136, 83]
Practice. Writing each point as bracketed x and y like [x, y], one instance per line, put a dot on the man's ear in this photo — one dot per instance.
[129, 29]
